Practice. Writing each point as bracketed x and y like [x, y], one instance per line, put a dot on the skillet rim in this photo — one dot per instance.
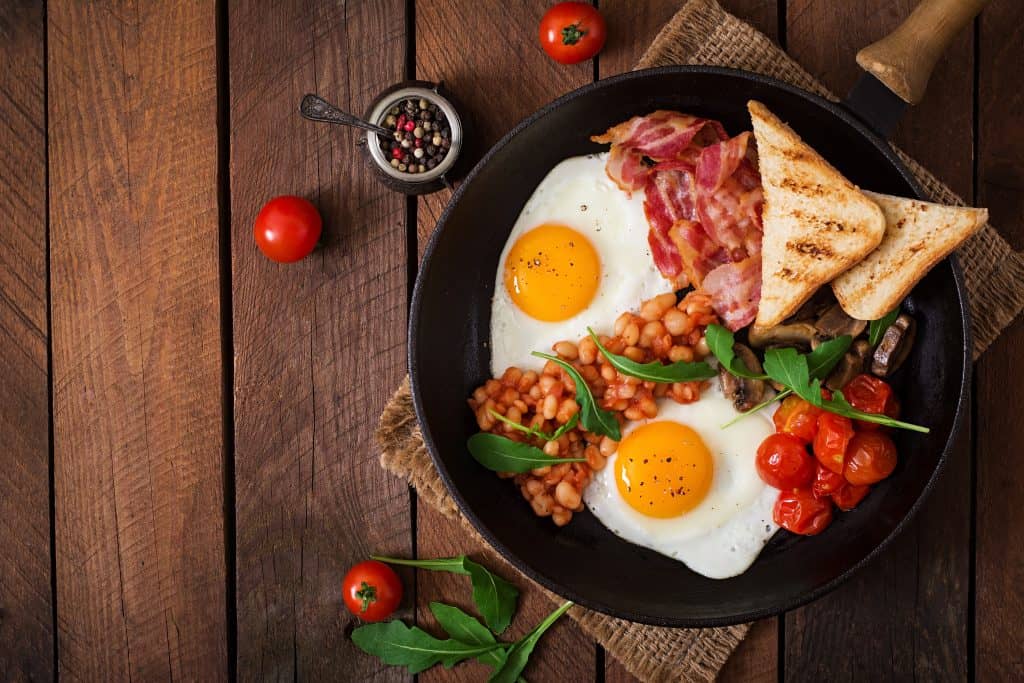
[870, 136]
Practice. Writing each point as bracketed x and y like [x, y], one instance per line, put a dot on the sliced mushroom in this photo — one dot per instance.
[895, 346]
[788, 334]
[745, 393]
[815, 306]
[835, 323]
[850, 365]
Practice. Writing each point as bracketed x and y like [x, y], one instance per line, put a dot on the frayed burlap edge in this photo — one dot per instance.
[703, 33]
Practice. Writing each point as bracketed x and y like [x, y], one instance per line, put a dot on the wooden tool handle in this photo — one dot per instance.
[904, 59]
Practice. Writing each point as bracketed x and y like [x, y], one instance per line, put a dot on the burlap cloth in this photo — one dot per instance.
[703, 33]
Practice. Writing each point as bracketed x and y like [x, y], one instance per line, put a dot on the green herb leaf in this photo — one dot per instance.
[720, 341]
[594, 419]
[534, 431]
[823, 359]
[840, 406]
[788, 367]
[655, 371]
[467, 629]
[878, 327]
[494, 596]
[500, 454]
[395, 643]
[519, 654]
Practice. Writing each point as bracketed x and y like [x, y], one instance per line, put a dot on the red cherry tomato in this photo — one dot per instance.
[869, 394]
[834, 433]
[826, 482]
[572, 32]
[797, 417]
[849, 496]
[371, 590]
[783, 462]
[287, 228]
[870, 458]
[800, 512]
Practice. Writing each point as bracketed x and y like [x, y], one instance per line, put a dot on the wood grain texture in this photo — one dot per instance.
[26, 608]
[498, 83]
[1000, 471]
[319, 344]
[137, 391]
[906, 613]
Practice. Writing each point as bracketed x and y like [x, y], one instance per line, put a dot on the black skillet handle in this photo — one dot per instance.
[904, 59]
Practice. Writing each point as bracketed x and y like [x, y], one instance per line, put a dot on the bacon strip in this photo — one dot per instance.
[735, 290]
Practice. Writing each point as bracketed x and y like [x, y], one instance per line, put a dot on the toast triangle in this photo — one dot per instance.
[917, 236]
[817, 224]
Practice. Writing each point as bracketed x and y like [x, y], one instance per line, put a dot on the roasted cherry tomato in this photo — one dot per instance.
[572, 32]
[849, 496]
[870, 458]
[799, 511]
[826, 482]
[287, 228]
[371, 590]
[783, 462]
[869, 394]
[834, 434]
[797, 417]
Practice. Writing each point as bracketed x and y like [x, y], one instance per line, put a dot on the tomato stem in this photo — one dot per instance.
[572, 34]
[368, 594]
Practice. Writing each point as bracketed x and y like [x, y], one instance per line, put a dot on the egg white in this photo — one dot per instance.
[577, 193]
[725, 532]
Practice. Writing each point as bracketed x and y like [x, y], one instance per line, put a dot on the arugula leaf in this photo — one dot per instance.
[823, 359]
[534, 431]
[519, 654]
[655, 371]
[395, 643]
[788, 367]
[501, 454]
[721, 341]
[467, 629]
[878, 327]
[594, 419]
[840, 406]
[493, 596]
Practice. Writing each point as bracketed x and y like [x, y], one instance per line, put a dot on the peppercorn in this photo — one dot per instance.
[418, 153]
[417, 131]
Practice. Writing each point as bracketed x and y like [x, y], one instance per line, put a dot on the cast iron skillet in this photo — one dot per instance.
[449, 357]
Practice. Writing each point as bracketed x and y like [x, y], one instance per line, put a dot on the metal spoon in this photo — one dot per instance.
[317, 108]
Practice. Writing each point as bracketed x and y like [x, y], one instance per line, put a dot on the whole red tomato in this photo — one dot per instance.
[834, 433]
[826, 482]
[783, 462]
[287, 228]
[849, 496]
[797, 417]
[869, 394]
[870, 458]
[800, 512]
[371, 590]
[572, 32]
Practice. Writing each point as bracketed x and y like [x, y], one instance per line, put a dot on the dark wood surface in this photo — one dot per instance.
[188, 463]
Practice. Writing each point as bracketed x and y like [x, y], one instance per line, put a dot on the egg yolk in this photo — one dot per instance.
[552, 272]
[663, 469]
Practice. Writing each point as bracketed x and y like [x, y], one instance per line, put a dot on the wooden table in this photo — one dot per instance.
[188, 466]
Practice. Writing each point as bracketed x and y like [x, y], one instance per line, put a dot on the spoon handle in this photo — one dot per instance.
[317, 108]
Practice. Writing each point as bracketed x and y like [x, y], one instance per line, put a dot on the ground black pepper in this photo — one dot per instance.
[421, 139]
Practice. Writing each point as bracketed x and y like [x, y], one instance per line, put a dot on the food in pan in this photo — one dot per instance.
[748, 397]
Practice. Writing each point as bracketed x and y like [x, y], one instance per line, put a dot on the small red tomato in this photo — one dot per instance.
[870, 458]
[800, 512]
[869, 394]
[826, 482]
[287, 228]
[834, 433]
[371, 590]
[783, 462]
[572, 32]
[849, 496]
[797, 417]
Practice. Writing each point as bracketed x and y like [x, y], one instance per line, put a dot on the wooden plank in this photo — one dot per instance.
[999, 559]
[906, 613]
[500, 82]
[26, 607]
[137, 383]
[319, 344]
[755, 659]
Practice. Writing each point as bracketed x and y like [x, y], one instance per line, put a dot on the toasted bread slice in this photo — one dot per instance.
[917, 236]
[817, 223]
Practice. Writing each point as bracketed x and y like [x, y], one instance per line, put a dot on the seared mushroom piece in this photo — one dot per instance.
[745, 393]
[788, 334]
[895, 346]
[813, 308]
[850, 365]
[835, 323]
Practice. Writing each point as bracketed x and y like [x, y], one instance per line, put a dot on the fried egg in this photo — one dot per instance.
[681, 485]
[577, 256]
